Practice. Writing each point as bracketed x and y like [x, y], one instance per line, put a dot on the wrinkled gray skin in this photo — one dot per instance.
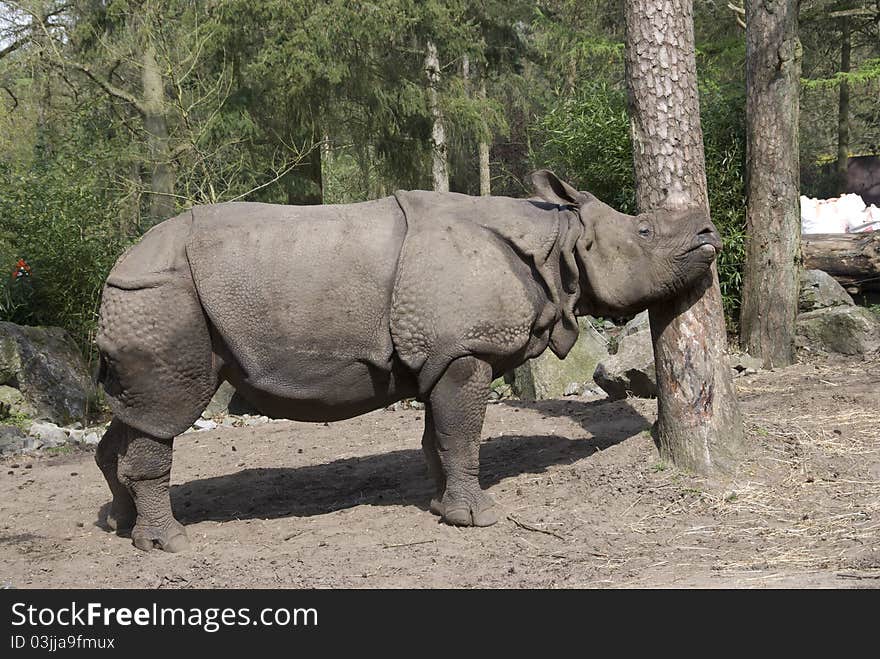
[326, 312]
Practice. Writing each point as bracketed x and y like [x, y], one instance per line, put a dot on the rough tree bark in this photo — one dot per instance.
[439, 148]
[156, 126]
[699, 425]
[843, 107]
[485, 172]
[771, 273]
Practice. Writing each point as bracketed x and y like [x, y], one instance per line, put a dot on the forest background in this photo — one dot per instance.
[117, 114]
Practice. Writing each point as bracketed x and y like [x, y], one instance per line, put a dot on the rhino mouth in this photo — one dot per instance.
[706, 246]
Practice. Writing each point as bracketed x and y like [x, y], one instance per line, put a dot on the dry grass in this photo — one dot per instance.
[809, 498]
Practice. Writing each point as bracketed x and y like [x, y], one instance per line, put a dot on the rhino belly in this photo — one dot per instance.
[330, 391]
[300, 298]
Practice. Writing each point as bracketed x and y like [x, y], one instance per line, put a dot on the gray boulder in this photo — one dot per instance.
[547, 376]
[12, 402]
[49, 434]
[842, 329]
[631, 370]
[819, 290]
[638, 324]
[227, 400]
[44, 364]
[12, 440]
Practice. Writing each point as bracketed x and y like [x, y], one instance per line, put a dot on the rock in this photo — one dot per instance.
[49, 434]
[75, 434]
[745, 364]
[204, 424]
[92, 438]
[228, 401]
[842, 329]
[638, 324]
[819, 290]
[12, 440]
[547, 376]
[46, 367]
[13, 402]
[219, 404]
[631, 370]
[572, 389]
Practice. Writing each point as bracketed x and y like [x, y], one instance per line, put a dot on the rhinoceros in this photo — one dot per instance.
[321, 313]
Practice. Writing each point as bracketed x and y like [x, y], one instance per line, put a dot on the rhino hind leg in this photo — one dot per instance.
[158, 366]
[457, 406]
[121, 513]
[432, 457]
[144, 470]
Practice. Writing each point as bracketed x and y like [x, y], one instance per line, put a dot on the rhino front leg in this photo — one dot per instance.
[144, 469]
[457, 406]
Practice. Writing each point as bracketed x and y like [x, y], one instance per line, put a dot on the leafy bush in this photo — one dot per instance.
[585, 139]
[58, 216]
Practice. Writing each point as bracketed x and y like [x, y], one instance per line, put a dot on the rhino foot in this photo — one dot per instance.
[171, 538]
[479, 510]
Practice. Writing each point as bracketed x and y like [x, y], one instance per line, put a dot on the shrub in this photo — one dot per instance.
[58, 216]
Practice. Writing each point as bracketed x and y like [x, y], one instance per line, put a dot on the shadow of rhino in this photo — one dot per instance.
[397, 477]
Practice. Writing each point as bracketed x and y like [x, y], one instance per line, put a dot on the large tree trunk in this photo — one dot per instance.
[843, 108]
[162, 181]
[699, 425]
[771, 277]
[853, 259]
[439, 148]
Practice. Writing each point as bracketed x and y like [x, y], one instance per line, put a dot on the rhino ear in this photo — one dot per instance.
[549, 187]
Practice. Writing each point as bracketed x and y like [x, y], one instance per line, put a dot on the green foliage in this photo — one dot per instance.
[58, 215]
[585, 137]
[17, 419]
[724, 143]
[867, 71]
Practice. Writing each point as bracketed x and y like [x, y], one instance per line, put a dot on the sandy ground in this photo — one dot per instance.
[587, 502]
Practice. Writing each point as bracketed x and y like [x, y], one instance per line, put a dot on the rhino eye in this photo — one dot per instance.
[645, 230]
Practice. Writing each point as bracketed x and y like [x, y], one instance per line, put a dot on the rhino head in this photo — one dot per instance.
[627, 263]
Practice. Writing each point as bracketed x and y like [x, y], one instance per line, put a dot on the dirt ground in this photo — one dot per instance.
[587, 502]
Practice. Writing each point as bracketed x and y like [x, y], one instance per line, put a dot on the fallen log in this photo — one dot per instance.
[853, 259]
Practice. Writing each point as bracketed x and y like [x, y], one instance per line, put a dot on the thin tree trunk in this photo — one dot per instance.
[482, 144]
[439, 148]
[305, 183]
[130, 213]
[699, 426]
[843, 108]
[485, 172]
[771, 277]
[316, 176]
[162, 180]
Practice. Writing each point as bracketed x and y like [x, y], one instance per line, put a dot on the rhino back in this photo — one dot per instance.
[299, 294]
